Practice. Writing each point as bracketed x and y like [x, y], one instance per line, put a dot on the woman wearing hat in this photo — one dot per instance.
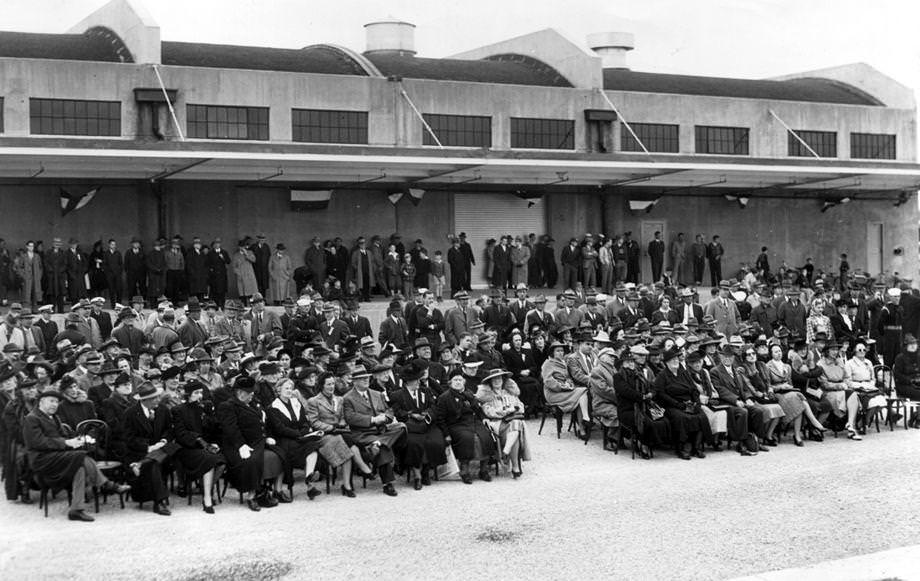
[675, 391]
[196, 431]
[716, 412]
[289, 425]
[558, 388]
[861, 379]
[833, 382]
[635, 409]
[74, 406]
[498, 396]
[16, 475]
[524, 371]
[460, 418]
[795, 407]
[250, 457]
[326, 414]
[413, 405]
[199, 366]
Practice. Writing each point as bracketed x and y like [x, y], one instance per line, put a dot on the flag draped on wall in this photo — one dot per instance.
[302, 200]
[71, 202]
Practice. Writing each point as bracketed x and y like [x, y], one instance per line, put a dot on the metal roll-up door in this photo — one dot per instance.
[484, 216]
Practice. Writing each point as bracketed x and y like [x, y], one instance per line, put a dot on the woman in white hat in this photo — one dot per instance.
[498, 396]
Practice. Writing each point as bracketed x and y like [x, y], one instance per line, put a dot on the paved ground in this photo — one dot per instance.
[578, 513]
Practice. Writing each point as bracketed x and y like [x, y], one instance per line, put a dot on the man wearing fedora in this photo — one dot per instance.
[393, 329]
[113, 267]
[724, 310]
[102, 318]
[55, 274]
[537, 317]
[262, 322]
[76, 267]
[333, 330]
[57, 458]
[156, 266]
[135, 264]
[196, 270]
[459, 319]
[374, 426]
[127, 334]
[149, 442]
[191, 332]
[358, 325]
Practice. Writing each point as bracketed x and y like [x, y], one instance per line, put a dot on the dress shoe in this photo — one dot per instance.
[266, 500]
[389, 490]
[771, 442]
[417, 484]
[181, 491]
[798, 442]
[485, 476]
[26, 499]
[426, 480]
[313, 493]
[79, 515]
[208, 508]
[516, 475]
[717, 447]
[683, 455]
[699, 453]
[282, 496]
[466, 478]
[253, 505]
[161, 509]
[348, 492]
[763, 448]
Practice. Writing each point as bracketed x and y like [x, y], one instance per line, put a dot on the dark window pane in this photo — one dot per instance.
[328, 126]
[873, 146]
[657, 138]
[722, 140]
[218, 122]
[74, 117]
[459, 130]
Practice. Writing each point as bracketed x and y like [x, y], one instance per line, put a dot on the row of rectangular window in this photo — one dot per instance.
[103, 118]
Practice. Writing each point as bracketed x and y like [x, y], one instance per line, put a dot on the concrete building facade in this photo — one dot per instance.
[531, 118]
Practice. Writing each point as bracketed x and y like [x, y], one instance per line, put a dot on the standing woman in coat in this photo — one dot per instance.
[97, 282]
[156, 271]
[28, 265]
[461, 419]
[280, 270]
[243, 262]
[520, 259]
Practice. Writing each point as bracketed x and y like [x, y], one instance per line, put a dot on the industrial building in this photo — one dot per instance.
[531, 134]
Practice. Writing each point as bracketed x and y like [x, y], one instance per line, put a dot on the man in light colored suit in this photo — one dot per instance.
[263, 322]
[373, 425]
[460, 319]
[724, 311]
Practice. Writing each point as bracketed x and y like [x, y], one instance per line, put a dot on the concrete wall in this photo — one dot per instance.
[392, 122]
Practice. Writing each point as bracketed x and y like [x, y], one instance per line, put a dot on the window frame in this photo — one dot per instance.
[449, 128]
[819, 141]
[892, 143]
[74, 117]
[650, 141]
[226, 122]
[352, 128]
[713, 136]
[542, 132]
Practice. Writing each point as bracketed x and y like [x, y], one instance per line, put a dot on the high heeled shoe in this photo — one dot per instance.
[208, 508]
[798, 441]
[348, 492]
[516, 475]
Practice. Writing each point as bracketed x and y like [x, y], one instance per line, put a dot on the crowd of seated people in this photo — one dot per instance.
[255, 397]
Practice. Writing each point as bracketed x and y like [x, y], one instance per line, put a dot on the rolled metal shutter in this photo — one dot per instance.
[484, 216]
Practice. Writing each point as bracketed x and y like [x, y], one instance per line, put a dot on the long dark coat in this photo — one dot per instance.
[459, 415]
[217, 261]
[287, 429]
[49, 456]
[112, 412]
[156, 273]
[196, 269]
[56, 273]
[139, 434]
[240, 424]
[193, 429]
[424, 441]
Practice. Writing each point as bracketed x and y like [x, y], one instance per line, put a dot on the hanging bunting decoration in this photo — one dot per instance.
[416, 195]
[72, 202]
[306, 200]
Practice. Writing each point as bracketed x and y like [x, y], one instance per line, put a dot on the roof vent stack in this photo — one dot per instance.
[390, 36]
[612, 48]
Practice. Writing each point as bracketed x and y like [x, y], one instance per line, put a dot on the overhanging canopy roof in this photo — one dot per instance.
[455, 169]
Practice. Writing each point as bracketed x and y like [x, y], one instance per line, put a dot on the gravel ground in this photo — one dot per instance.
[577, 512]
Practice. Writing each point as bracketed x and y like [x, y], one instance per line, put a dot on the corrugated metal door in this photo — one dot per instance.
[484, 216]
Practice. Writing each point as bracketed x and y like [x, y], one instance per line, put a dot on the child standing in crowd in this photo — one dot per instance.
[437, 275]
[408, 275]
